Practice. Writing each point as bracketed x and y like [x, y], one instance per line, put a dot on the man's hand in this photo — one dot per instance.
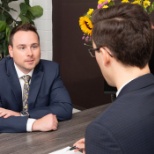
[4, 113]
[46, 123]
[80, 145]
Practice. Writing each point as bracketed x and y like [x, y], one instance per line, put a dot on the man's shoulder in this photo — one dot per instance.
[48, 63]
[47, 66]
[5, 61]
[116, 113]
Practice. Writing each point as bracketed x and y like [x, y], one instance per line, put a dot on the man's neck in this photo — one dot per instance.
[129, 73]
[20, 73]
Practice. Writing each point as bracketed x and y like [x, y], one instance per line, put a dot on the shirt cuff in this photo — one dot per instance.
[29, 125]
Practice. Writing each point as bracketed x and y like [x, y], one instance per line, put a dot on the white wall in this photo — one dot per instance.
[44, 27]
[43, 24]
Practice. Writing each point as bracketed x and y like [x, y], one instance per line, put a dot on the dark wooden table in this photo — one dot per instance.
[45, 142]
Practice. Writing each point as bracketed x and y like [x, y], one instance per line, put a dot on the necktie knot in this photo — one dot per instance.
[26, 78]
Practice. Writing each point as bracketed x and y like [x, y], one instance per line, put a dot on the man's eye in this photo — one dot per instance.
[22, 48]
[35, 46]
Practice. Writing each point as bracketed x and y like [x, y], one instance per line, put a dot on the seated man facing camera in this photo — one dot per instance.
[122, 42]
[32, 94]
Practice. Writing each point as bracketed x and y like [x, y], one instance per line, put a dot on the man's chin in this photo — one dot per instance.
[29, 68]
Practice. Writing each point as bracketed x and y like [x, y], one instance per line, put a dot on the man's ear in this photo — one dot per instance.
[106, 56]
[10, 50]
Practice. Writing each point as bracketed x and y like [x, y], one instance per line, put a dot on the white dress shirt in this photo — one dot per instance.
[119, 90]
[20, 74]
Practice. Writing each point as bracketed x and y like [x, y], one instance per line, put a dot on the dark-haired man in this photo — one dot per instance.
[32, 94]
[122, 43]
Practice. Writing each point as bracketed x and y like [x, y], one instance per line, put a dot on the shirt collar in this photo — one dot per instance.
[20, 73]
[119, 90]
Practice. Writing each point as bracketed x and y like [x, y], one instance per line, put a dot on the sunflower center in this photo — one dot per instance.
[87, 25]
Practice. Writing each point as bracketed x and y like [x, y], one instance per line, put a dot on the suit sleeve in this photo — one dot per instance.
[59, 101]
[13, 124]
[100, 140]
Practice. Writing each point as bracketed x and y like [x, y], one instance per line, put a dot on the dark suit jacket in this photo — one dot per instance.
[127, 126]
[47, 94]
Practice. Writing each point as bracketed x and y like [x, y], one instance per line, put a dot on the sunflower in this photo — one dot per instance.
[146, 3]
[125, 1]
[103, 1]
[86, 25]
[137, 2]
[90, 11]
[105, 7]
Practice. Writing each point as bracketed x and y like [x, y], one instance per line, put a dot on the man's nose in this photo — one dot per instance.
[29, 51]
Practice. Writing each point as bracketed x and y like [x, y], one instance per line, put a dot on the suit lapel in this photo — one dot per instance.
[14, 82]
[35, 85]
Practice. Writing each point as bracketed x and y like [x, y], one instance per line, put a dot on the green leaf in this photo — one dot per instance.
[8, 30]
[24, 19]
[2, 36]
[23, 8]
[30, 16]
[2, 17]
[5, 5]
[9, 18]
[36, 11]
[151, 8]
[27, 2]
[2, 26]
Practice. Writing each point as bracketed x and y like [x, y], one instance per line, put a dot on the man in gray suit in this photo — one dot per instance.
[122, 44]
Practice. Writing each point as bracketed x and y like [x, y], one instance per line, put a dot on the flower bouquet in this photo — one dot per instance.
[85, 22]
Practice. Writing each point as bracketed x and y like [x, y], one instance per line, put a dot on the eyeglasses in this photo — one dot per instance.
[92, 51]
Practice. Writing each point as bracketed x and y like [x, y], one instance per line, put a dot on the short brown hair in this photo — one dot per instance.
[152, 18]
[23, 27]
[126, 30]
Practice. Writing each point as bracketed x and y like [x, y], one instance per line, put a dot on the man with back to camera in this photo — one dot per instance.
[37, 104]
[122, 44]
